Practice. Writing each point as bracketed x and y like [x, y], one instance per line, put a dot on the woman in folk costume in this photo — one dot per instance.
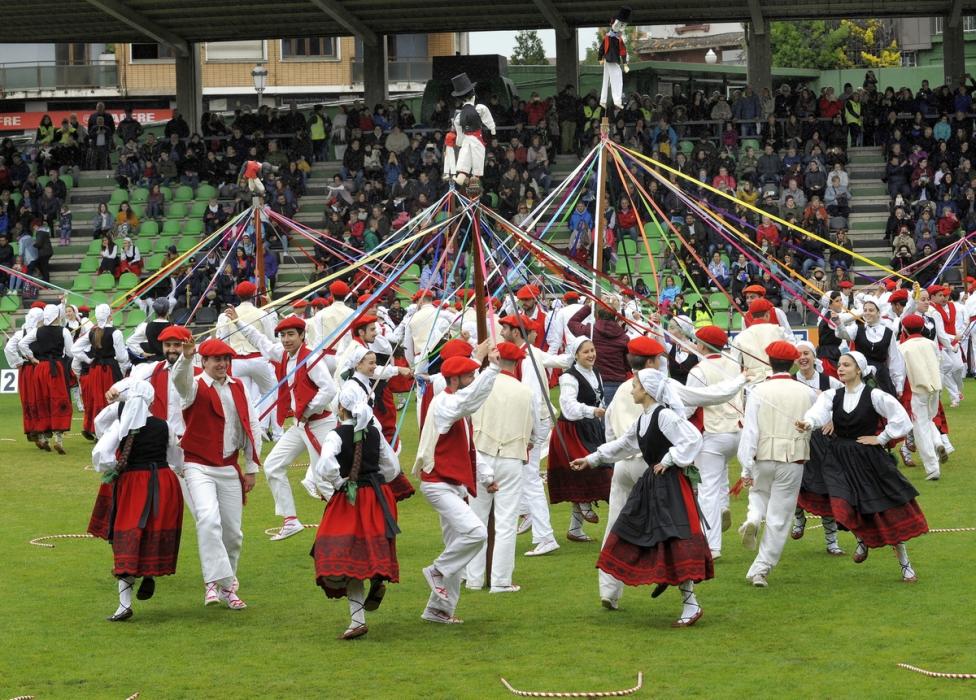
[828, 347]
[79, 325]
[25, 371]
[356, 540]
[811, 372]
[103, 359]
[139, 508]
[877, 341]
[48, 348]
[578, 432]
[658, 537]
[866, 493]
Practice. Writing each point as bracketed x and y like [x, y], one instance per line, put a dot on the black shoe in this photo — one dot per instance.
[659, 589]
[146, 588]
[88, 436]
[121, 617]
[377, 590]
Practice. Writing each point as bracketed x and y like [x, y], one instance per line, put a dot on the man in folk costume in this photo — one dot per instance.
[612, 54]
[427, 325]
[144, 344]
[25, 370]
[455, 347]
[220, 422]
[950, 322]
[757, 291]
[720, 426]
[923, 307]
[139, 508]
[528, 298]
[306, 391]
[922, 386]
[450, 155]
[505, 428]
[249, 365]
[48, 348]
[328, 320]
[470, 123]
[532, 372]
[557, 333]
[749, 346]
[771, 452]
[102, 355]
[315, 307]
[449, 474]
[252, 174]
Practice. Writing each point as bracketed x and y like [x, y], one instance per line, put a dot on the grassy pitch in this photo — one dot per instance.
[825, 627]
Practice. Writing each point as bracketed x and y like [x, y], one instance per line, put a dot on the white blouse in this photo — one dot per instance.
[884, 404]
[685, 441]
[847, 330]
[570, 406]
[323, 478]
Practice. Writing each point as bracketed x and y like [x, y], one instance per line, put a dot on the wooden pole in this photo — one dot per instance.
[601, 203]
[258, 245]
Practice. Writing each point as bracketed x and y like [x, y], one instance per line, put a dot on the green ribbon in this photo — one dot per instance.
[692, 474]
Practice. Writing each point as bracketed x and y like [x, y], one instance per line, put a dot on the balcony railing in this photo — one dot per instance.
[48, 76]
[403, 71]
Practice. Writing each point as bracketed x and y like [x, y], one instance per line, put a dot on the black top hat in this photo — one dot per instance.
[623, 14]
[462, 85]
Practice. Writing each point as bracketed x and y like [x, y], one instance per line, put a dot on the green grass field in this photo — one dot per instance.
[825, 628]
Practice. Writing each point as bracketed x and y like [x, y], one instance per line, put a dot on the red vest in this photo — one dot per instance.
[160, 383]
[948, 317]
[203, 441]
[303, 388]
[252, 169]
[454, 457]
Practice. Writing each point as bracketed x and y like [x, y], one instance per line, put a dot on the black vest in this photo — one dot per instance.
[586, 394]
[371, 451]
[863, 420]
[151, 346]
[680, 370]
[470, 119]
[49, 344]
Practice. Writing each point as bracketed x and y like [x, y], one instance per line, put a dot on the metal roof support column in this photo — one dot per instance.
[375, 73]
[953, 45]
[189, 87]
[759, 60]
[567, 61]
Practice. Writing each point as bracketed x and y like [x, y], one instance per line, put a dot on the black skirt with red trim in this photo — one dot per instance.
[866, 494]
[94, 383]
[28, 403]
[151, 550]
[658, 536]
[813, 496]
[51, 399]
[351, 541]
[402, 488]
[566, 485]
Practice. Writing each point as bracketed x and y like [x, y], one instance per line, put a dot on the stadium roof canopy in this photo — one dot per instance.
[179, 22]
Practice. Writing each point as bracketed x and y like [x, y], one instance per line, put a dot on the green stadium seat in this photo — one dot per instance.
[194, 227]
[629, 246]
[198, 209]
[167, 194]
[721, 320]
[5, 323]
[183, 193]
[718, 302]
[82, 283]
[95, 247]
[686, 147]
[149, 228]
[89, 265]
[146, 244]
[42, 180]
[119, 196]
[96, 298]
[176, 210]
[134, 318]
[205, 192]
[736, 323]
[9, 303]
[104, 282]
[127, 280]
[186, 243]
[692, 298]
[154, 262]
[68, 180]
[139, 195]
[138, 209]
[171, 228]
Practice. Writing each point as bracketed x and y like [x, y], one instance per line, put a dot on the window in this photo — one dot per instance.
[71, 54]
[150, 52]
[909, 59]
[238, 51]
[968, 24]
[320, 48]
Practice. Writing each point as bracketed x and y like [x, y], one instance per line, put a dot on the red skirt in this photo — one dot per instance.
[889, 527]
[351, 541]
[51, 400]
[566, 485]
[135, 268]
[94, 384]
[140, 551]
[28, 403]
[673, 561]
[401, 487]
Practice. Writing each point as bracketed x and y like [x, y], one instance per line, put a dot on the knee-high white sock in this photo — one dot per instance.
[576, 520]
[830, 531]
[355, 591]
[901, 551]
[125, 594]
[691, 606]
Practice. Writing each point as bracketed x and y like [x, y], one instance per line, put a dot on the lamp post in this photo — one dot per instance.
[259, 74]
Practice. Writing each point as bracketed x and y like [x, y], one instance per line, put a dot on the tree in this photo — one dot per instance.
[528, 50]
[631, 38]
[837, 44]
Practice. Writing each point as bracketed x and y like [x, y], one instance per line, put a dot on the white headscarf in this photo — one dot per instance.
[50, 314]
[138, 398]
[573, 346]
[862, 363]
[112, 428]
[32, 318]
[355, 357]
[685, 325]
[354, 401]
[817, 364]
[103, 313]
[657, 384]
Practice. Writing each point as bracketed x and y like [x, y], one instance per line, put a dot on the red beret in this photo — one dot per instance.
[84, 308]
[713, 335]
[245, 290]
[495, 303]
[362, 322]
[760, 306]
[38, 305]
[455, 347]
[319, 303]
[782, 350]
[437, 303]
[456, 366]
[339, 289]
[889, 284]
[215, 348]
[645, 347]
[458, 305]
[529, 291]
[935, 289]
[913, 322]
[422, 294]
[518, 321]
[300, 304]
[571, 297]
[755, 289]
[296, 322]
[363, 298]
[628, 292]
[846, 284]
[177, 333]
[510, 351]
[898, 296]
[467, 294]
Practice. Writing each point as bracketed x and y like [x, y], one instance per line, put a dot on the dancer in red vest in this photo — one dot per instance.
[455, 347]
[306, 395]
[139, 508]
[48, 348]
[448, 473]
[219, 424]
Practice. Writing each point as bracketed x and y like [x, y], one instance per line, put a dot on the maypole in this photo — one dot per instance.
[601, 198]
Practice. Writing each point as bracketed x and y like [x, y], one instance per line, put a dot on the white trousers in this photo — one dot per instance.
[217, 510]
[255, 186]
[773, 497]
[464, 535]
[626, 474]
[953, 372]
[508, 476]
[258, 371]
[925, 406]
[471, 157]
[613, 79]
[534, 500]
[713, 491]
[290, 447]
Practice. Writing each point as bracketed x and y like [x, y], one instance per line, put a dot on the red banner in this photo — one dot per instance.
[16, 121]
